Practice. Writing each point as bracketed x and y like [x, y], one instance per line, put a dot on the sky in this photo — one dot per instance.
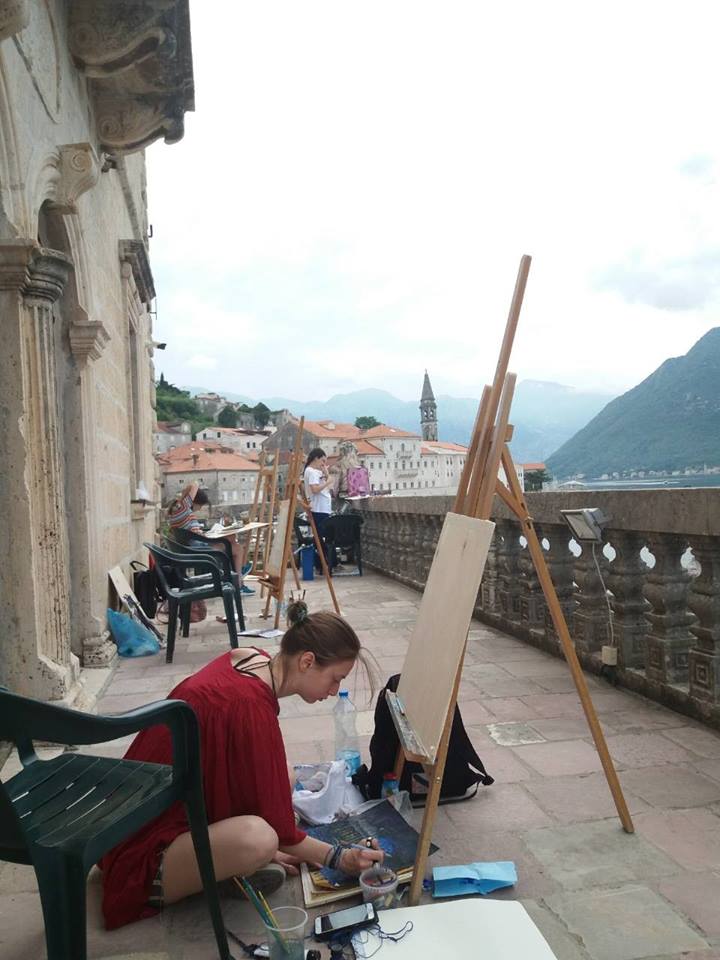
[358, 182]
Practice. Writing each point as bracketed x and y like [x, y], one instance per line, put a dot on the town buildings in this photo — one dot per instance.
[228, 477]
[76, 369]
[169, 434]
[245, 441]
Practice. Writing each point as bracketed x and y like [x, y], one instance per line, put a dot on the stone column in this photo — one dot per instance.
[508, 552]
[626, 577]
[92, 641]
[560, 563]
[666, 587]
[591, 626]
[489, 585]
[704, 601]
[35, 656]
[532, 599]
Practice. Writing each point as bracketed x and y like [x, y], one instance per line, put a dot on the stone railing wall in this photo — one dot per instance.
[665, 601]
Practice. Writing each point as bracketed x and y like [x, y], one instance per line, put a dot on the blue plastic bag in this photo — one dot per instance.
[131, 637]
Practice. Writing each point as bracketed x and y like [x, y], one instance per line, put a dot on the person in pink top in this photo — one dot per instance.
[245, 774]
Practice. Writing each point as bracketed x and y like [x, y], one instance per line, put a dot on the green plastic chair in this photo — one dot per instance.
[62, 815]
[207, 583]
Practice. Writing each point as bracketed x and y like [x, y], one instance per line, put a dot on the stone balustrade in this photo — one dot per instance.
[641, 588]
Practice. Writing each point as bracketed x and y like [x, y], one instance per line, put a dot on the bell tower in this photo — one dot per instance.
[428, 411]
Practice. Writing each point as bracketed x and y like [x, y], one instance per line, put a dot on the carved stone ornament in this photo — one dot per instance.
[88, 339]
[138, 59]
[78, 171]
[14, 16]
[134, 254]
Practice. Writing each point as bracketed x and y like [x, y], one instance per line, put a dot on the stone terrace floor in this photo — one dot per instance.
[594, 891]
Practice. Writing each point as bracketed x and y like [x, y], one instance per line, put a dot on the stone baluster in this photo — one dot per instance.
[417, 572]
[625, 578]
[666, 587]
[532, 601]
[560, 563]
[704, 601]
[591, 619]
[508, 534]
[487, 597]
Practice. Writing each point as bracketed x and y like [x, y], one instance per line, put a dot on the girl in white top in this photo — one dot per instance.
[317, 490]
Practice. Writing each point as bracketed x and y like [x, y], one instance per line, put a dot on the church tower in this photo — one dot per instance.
[428, 411]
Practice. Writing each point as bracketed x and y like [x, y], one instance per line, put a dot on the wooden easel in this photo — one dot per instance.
[280, 553]
[478, 485]
[257, 548]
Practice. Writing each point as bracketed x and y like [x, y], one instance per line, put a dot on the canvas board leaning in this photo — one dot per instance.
[437, 643]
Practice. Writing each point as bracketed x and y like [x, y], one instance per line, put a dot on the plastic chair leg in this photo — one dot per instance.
[238, 604]
[172, 630]
[197, 820]
[229, 605]
[185, 610]
[61, 881]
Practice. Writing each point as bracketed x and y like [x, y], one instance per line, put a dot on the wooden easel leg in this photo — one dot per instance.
[295, 570]
[434, 773]
[323, 561]
[516, 502]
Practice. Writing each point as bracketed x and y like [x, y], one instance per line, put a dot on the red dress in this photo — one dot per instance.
[244, 772]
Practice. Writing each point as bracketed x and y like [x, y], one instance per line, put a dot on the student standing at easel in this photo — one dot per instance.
[317, 491]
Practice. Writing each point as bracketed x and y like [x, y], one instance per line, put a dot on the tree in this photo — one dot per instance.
[534, 480]
[261, 414]
[173, 403]
[366, 423]
[227, 416]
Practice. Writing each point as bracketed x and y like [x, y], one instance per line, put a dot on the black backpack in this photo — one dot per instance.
[463, 768]
[146, 587]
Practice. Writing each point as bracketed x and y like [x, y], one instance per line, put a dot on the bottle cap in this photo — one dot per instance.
[389, 776]
[344, 693]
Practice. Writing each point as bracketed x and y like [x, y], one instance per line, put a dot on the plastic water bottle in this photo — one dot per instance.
[346, 738]
[389, 785]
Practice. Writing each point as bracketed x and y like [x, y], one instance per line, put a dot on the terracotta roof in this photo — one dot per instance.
[428, 451]
[170, 426]
[364, 447]
[185, 450]
[341, 431]
[384, 431]
[532, 466]
[446, 445]
[227, 462]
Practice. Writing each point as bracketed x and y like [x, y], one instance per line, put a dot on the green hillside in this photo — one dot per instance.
[669, 421]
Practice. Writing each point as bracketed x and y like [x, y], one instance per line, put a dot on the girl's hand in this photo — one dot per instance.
[356, 859]
[290, 863]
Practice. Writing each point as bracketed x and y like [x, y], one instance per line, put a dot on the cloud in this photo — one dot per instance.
[347, 226]
[685, 284]
[200, 361]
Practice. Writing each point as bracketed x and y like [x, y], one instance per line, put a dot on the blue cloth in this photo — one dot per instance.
[473, 878]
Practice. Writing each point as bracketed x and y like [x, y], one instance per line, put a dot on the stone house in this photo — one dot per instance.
[229, 478]
[169, 434]
[76, 370]
[247, 442]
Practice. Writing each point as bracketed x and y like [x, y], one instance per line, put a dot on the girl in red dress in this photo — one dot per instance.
[245, 773]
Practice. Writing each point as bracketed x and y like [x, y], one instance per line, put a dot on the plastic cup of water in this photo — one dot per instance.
[286, 937]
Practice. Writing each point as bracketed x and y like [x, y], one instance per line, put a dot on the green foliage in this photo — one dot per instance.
[534, 480]
[261, 414]
[227, 416]
[366, 423]
[175, 404]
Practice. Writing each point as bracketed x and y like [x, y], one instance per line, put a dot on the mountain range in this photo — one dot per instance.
[668, 422]
[545, 415]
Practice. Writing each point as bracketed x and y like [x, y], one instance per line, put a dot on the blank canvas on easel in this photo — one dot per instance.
[438, 640]
[275, 560]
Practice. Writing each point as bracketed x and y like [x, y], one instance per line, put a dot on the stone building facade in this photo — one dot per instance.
[84, 87]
